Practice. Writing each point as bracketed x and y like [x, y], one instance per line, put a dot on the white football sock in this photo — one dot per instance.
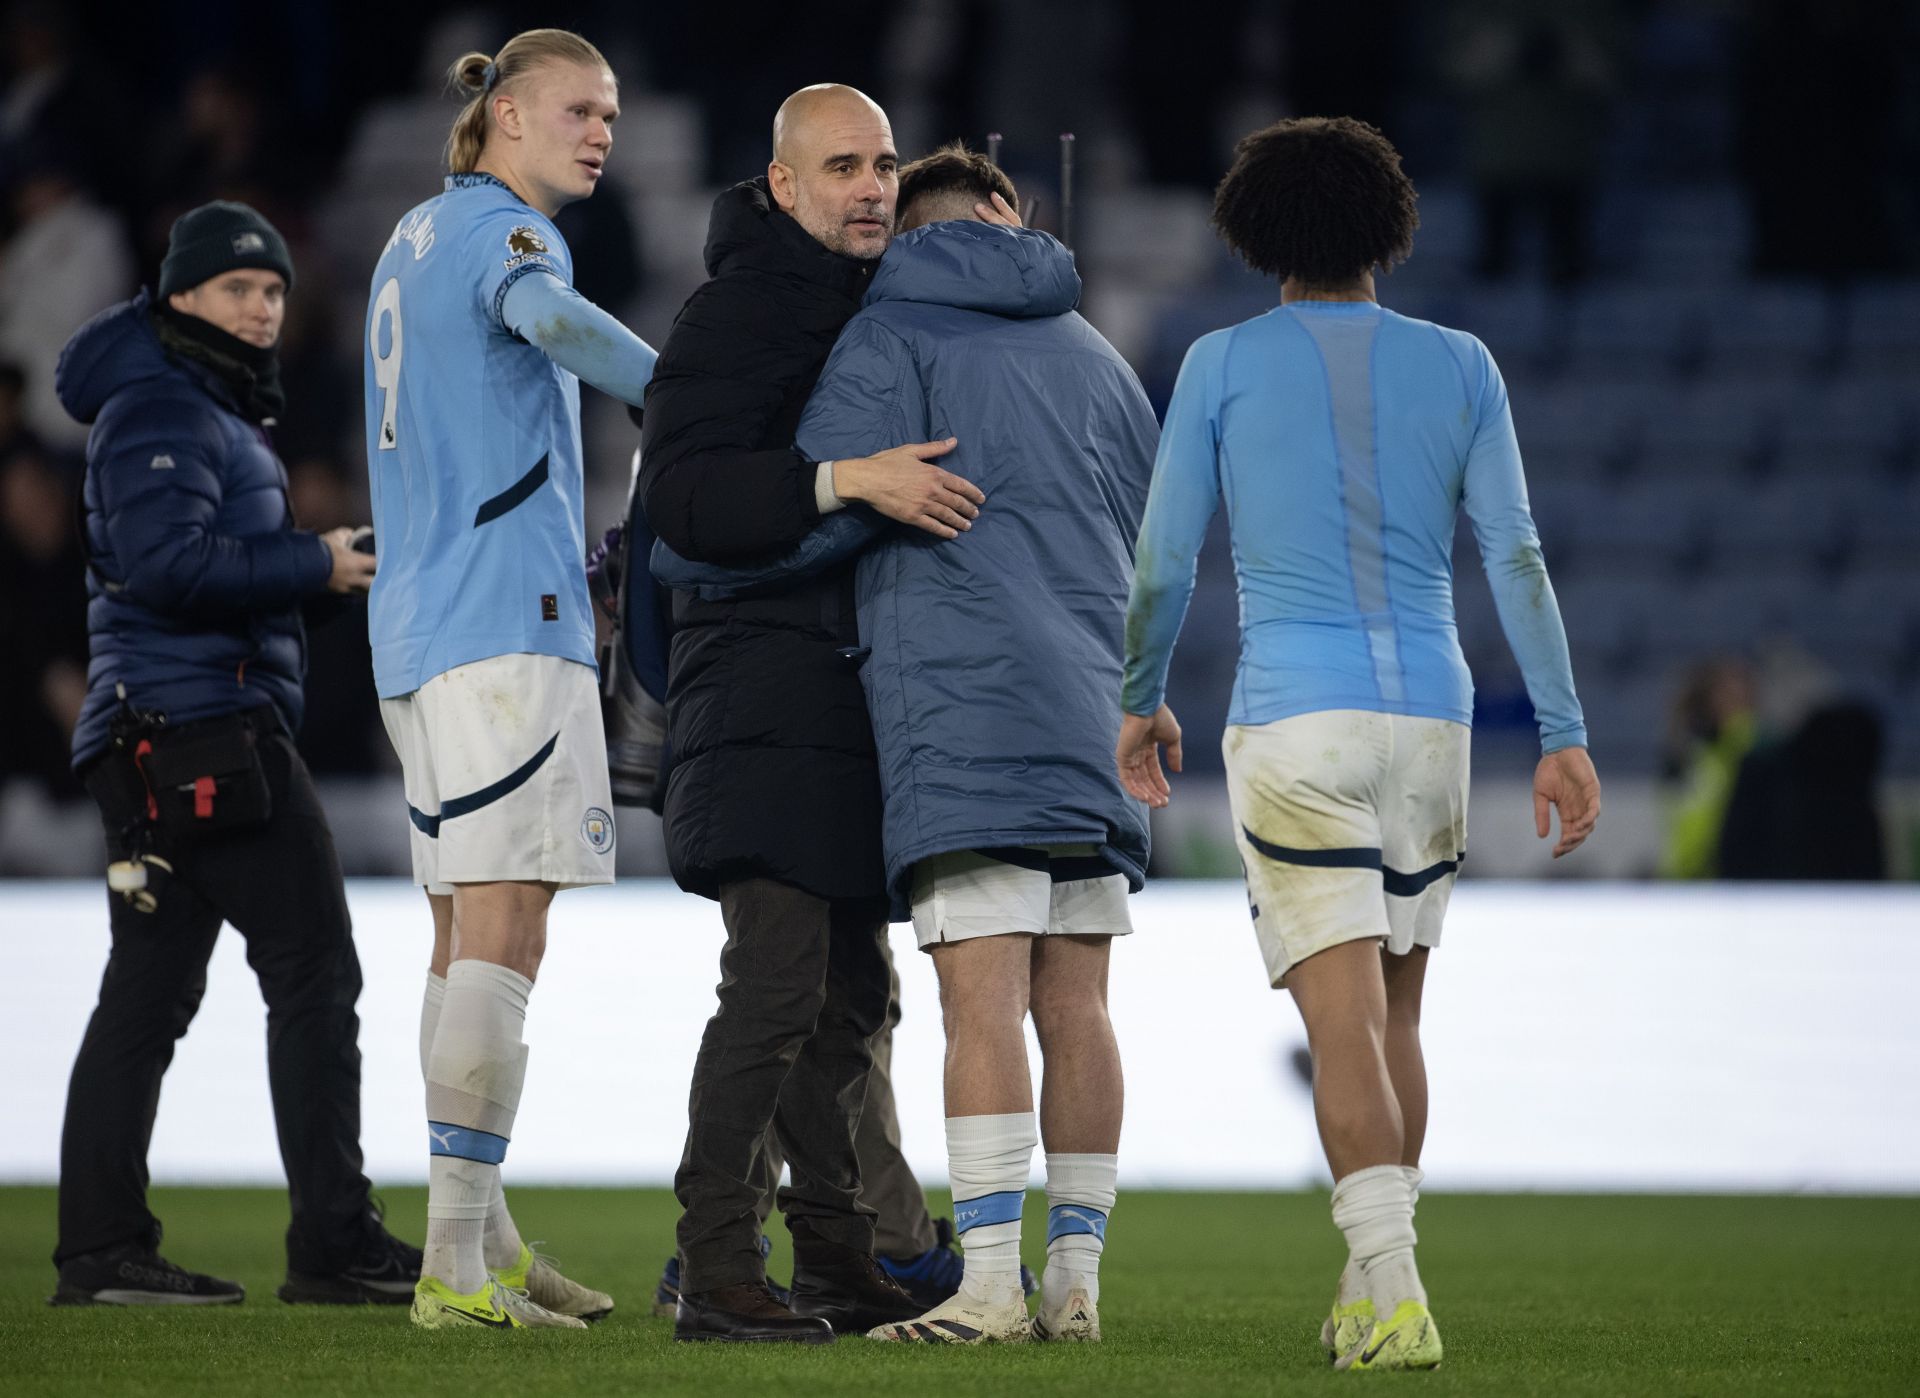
[1080, 1193]
[988, 1160]
[1353, 1283]
[501, 1243]
[1374, 1208]
[457, 1194]
[430, 1003]
[475, 1068]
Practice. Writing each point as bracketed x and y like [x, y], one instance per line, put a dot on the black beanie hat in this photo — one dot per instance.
[220, 237]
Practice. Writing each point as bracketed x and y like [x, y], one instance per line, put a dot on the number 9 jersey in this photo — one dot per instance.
[473, 447]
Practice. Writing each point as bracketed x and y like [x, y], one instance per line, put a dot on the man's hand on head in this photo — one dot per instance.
[999, 212]
[903, 484]
[352, 570]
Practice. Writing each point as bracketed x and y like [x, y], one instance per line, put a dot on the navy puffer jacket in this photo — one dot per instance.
[196, 573]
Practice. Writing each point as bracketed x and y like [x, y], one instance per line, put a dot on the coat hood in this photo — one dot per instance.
[1017, 272]
[115, 348]
[748, 230]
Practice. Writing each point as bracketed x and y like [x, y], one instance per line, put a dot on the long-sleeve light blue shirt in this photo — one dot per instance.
[1345, 439]
[581, 338]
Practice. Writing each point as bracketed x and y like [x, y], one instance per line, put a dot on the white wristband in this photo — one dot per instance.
[823, 497]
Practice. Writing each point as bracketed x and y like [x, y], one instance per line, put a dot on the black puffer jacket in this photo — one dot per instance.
[774, 773]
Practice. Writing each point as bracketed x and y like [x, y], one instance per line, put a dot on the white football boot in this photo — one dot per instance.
[963, 1320]
[536, 1278]
[1076, 1320]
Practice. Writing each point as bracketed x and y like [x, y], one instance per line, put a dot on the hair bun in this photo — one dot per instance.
[474, 72]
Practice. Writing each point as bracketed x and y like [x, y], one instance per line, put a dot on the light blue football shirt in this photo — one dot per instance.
[473, 446]
[1345, 439]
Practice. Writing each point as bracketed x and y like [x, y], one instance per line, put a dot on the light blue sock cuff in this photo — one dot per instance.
[1064, 1220]
[465, 1143]
[1003, 1207]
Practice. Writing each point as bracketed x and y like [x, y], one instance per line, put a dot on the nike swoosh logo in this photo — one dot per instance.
[503, 1323]
[1367, 1356]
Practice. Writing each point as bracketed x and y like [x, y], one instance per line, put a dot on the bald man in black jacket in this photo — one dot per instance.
[773, 802]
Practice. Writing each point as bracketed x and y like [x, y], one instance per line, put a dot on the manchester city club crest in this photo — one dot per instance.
[596, 828]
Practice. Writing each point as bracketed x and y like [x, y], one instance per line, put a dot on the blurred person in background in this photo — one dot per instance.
[605, 242]
[342, 734]
[46, 96]
[1535, 77]
[220, 138]
[43, 622]
[1713, 727]
[67, 259]
[196, 576]
[14, 432]
[1829, 174]
[1805, 805]
[1346, 440]
[322, 421]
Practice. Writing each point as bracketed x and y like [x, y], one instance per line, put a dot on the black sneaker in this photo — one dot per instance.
[134, 1274]
[384, 1274]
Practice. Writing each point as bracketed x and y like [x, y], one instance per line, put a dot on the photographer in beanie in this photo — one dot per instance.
[195, 580]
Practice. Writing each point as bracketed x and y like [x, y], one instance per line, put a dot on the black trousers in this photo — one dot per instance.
[804, 987]
[279, 885]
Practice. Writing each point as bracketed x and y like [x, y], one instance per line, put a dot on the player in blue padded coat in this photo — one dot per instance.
[1345, 439]
[483, 644]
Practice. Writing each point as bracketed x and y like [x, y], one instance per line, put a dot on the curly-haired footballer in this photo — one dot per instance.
[1345, 439]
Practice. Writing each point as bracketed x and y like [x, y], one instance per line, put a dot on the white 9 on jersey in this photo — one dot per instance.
[386, 367]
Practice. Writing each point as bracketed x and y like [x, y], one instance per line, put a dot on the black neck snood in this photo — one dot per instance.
[252, 374]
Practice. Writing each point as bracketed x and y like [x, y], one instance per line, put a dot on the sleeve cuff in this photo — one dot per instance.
[325, 573]
[824, 500]
[805, 482]
[1566, 738]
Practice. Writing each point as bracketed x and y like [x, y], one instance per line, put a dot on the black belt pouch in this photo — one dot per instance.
[207, 777]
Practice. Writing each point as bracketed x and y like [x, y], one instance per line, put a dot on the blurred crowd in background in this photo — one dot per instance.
[1689, 230]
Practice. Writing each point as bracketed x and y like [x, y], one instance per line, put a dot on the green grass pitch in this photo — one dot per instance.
[1202, 1294]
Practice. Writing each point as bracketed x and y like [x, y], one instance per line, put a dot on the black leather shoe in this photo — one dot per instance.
[134, 1274]
[849, 1292]
[746, 1313]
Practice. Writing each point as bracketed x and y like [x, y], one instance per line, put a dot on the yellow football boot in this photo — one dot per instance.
[437, 1306]
[1409, 1340]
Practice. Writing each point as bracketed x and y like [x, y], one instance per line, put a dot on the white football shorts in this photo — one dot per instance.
[1351, 825]
[505, 766]
[1059, 890]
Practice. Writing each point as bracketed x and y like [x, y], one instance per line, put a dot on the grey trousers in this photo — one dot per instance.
[902, 1227]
